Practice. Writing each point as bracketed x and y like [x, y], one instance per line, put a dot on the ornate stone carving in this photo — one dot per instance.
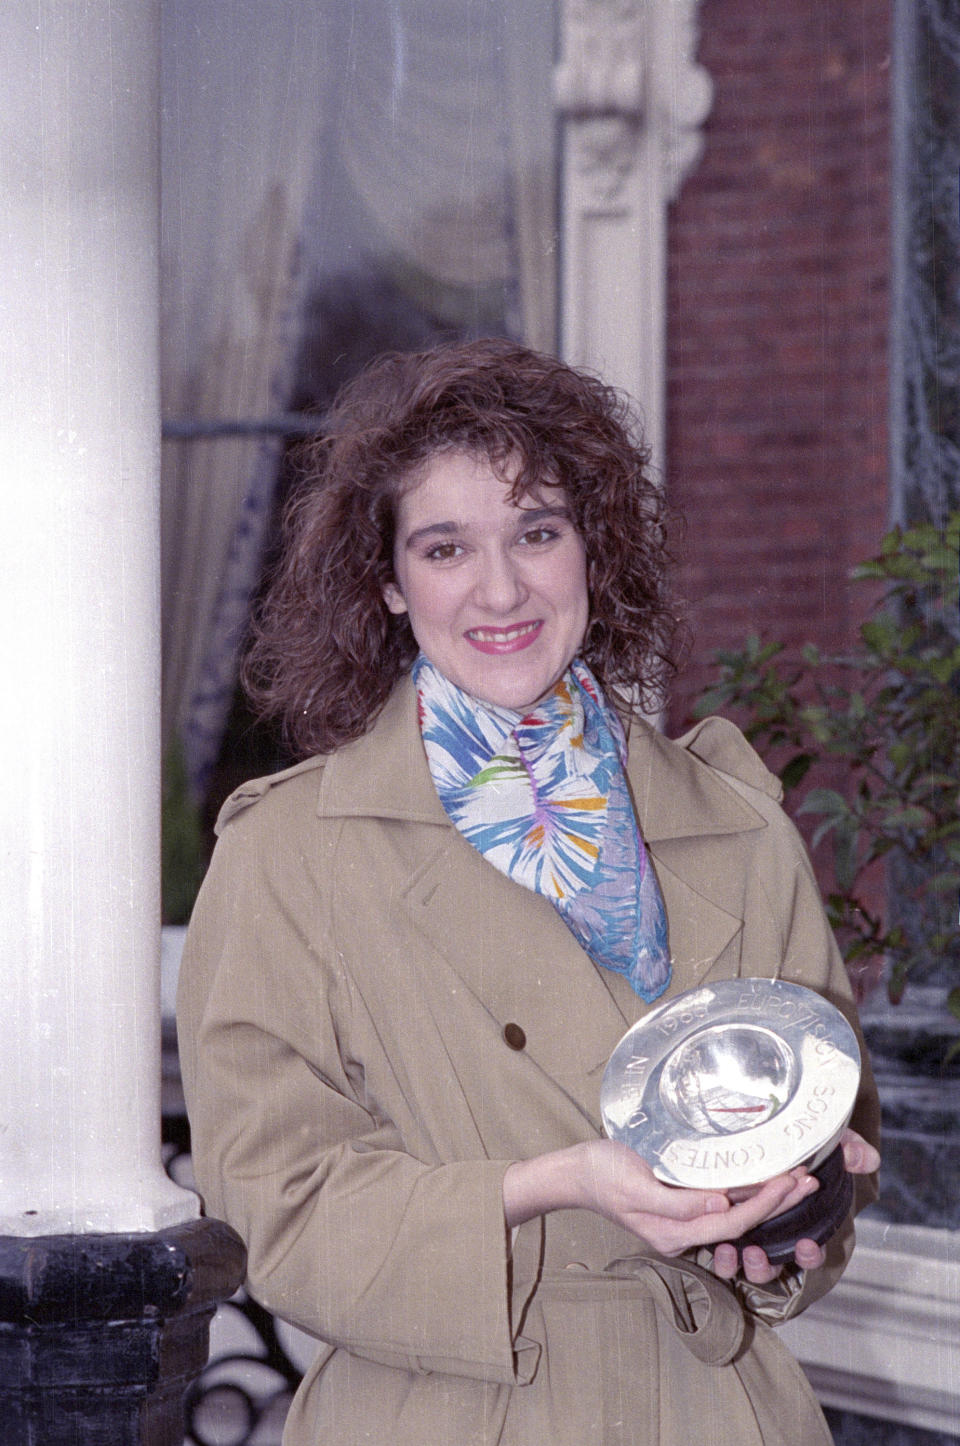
[626, 73]
[631, 98]
[684, 93]
[599, 90]
[603, 152]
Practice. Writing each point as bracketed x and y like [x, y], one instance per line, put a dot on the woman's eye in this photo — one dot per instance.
[536, 536]
[443, 551]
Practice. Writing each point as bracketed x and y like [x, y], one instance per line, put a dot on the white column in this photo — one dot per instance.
[79, 645]
[632, 99]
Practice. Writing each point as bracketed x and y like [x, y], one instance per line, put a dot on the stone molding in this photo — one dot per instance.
[886, 1340]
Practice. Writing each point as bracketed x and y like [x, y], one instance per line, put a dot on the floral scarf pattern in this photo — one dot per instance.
[543, 797]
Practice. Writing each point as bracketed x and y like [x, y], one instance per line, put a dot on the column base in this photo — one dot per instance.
[100, 1335]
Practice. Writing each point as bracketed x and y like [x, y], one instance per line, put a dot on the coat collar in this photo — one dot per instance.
[384, 774]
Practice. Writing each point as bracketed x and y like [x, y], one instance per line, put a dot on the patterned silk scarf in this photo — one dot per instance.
[542, 795]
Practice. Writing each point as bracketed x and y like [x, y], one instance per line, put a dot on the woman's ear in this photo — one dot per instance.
[393, 598]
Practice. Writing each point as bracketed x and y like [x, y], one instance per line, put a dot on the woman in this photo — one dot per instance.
[415, 951]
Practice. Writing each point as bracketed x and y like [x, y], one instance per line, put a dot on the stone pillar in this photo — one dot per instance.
[100, 1335]
[82, 1188]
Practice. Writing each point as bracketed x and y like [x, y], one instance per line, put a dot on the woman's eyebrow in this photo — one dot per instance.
[432, 529]
[543, 514]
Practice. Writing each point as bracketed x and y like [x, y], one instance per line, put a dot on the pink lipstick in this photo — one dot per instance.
[505, 640]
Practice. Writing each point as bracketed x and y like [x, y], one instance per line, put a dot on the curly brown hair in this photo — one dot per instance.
[325, 651]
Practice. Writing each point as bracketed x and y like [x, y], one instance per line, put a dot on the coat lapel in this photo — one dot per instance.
[513, 951]
[509, 946]
[683, 807]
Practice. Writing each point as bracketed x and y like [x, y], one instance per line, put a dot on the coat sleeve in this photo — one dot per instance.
[786, 922]
[402, 1261]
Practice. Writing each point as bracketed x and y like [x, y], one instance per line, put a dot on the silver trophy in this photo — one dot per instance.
[729, 1084]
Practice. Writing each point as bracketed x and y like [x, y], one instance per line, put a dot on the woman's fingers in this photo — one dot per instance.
[641, 1191]
[691, 1217]
[726, 1261]
[611, 1179]
[770, 1199]
[755, 1265]
[615, 1182]
[756, 1268]
[859, 1156]
[809, 1255]
[804, 1184]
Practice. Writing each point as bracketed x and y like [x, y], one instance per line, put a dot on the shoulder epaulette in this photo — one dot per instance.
[720, 744]
[251, 792]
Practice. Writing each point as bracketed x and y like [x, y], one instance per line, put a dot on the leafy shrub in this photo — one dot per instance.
[887, 715]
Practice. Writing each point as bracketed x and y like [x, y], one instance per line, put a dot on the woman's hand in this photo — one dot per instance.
[612, 1180]
[859, 1158]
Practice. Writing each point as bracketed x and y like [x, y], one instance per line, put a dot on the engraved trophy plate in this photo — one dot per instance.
[732, 1083]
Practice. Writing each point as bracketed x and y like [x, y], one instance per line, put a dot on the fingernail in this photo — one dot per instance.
[715, 1205]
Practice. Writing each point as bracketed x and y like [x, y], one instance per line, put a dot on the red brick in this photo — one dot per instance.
[777, 313]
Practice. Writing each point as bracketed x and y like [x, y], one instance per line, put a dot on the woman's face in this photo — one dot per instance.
[496, 592]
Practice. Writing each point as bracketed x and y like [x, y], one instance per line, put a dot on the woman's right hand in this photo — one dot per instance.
[612, 1180]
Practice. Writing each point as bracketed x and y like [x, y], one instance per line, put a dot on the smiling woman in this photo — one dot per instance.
[408, 439]
[495, 589]
[413, 954]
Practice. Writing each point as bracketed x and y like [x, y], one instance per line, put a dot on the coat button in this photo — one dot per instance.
[514, 1036]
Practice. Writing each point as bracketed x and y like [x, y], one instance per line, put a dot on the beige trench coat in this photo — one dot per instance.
[355, 1097]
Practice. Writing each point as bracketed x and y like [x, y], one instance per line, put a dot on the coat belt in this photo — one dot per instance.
[702, 1310]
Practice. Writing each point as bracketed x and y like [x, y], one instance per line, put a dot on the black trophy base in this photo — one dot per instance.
[100, 1335]
[818, 1217]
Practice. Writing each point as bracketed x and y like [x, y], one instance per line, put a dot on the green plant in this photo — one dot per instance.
[885, 718]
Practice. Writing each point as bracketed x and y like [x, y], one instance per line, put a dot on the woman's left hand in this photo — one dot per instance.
[859, 1158]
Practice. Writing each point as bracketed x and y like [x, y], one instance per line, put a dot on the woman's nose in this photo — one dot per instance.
[500, 586]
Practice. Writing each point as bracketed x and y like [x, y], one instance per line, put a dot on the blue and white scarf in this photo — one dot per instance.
[543, 797]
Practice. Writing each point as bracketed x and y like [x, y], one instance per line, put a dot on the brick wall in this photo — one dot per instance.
[778, 306]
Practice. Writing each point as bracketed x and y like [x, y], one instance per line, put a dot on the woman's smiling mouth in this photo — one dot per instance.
[504, 640]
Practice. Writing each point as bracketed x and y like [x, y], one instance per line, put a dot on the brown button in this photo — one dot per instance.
[514, 1036]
